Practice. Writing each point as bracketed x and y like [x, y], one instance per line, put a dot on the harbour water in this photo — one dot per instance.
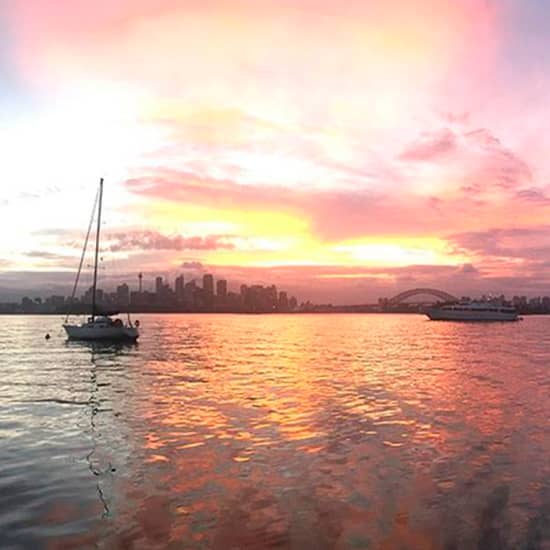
[289, 431]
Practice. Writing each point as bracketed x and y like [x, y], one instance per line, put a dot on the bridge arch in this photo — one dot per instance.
[402, 296]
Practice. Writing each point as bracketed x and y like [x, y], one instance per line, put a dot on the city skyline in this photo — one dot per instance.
[372, 147]
[181, 295]
[60, 283]
[210, 295]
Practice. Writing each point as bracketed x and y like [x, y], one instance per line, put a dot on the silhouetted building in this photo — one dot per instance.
[271, 298]
[283, 301]
[182, 297]
[221, 289]
[208, 284]
[158, 285]
[55, 301]
[136, 299]
[142, 300]
[87, 298]
[189, 294]
[123, 294]
[180, 288]
[27, 304]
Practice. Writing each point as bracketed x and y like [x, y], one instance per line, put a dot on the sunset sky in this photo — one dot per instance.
[342, 150]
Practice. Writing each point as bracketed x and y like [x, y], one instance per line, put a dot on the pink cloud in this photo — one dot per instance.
[357, 211]
[533, 195]
[153, 240]
[431, 147]
[498, 163]
[531, 244]
[481, 157]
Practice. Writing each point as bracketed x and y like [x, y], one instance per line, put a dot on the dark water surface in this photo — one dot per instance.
[304, 431]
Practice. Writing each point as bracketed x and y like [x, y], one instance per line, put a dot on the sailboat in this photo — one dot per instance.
[99, 326]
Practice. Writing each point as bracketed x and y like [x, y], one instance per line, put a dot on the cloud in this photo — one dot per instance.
[470, 268]
[473, 193]
[332, 214]
[193, 266]
[17, 283]
[497, 164]
[533, 195]
[431, 146]
[479, 159]
[153, 240]
[523, 243]
[457, 118]
[56, 232]
[44, 255]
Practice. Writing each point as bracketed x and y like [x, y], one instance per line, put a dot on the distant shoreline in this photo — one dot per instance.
[214, 312]
[320, 312]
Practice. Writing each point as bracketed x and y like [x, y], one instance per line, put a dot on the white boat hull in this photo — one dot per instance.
[106, 333]
[450, 315]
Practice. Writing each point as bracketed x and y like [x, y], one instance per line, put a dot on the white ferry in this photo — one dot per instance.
[472, 311]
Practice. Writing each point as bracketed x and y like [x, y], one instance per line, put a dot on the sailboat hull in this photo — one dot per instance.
[105, 333]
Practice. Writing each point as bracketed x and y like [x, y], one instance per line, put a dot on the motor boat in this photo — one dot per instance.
[472, 311]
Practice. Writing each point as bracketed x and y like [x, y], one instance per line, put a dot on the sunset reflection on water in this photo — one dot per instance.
[321, 431]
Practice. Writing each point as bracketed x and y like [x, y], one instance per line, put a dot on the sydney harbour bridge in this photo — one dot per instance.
[402, 297]
[400, 303]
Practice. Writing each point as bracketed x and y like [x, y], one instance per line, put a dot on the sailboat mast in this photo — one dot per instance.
[97, 248]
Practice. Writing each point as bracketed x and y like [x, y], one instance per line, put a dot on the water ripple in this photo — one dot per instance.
[321, 431]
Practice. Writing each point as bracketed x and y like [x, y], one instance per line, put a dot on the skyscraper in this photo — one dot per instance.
[123, 294]
[180, 288]
[221, 288]
[271, 297]
[208, 284]
[189, 293]
[158, 285]
[283, 301]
